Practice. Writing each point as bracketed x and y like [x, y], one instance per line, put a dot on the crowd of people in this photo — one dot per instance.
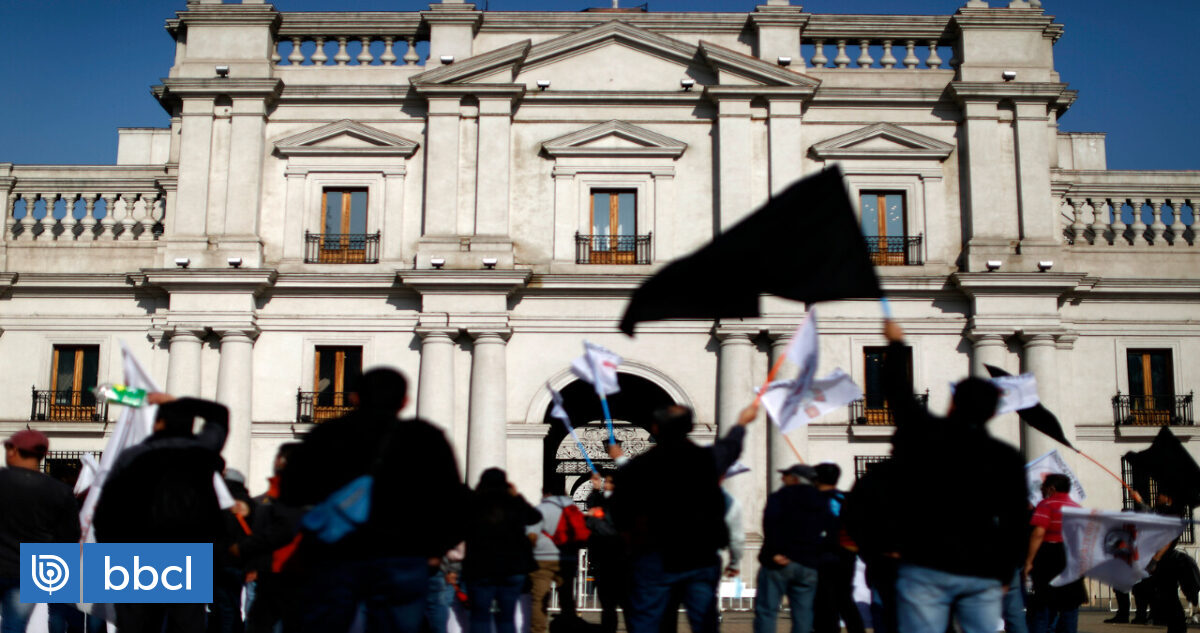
[368, 517]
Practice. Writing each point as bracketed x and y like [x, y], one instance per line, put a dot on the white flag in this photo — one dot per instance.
[792, 404]
[558, 411]
[804, 350]
[1112, 547]
[1016, 393]
[598, 366]
[1050, 463]
[88, 467]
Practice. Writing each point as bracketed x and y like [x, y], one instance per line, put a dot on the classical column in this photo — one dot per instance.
[235, 380]
[245, 167]
[1039, 218]
[783, 137]
[734, 158]
[487, 432]
[735, 383]
[183, 364]
[441, 166]
[779, 454]
[491, 183]
[195, 154]
[1041, 360]
[435, 389]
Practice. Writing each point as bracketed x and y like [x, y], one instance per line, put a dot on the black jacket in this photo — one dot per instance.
[418, 498]
[497, 545]
[797, 523]
[668, 501]
[161, 491]
[956, 486]
[34, 508]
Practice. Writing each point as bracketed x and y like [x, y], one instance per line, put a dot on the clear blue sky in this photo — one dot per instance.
[74, 71]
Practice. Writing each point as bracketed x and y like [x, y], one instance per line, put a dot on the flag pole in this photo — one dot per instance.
[583, 451]
[1133, 493]
[612, 437]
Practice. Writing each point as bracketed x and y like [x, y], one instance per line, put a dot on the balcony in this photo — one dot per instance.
[317, 406]
[612, 249]
[1152, 410]
[67, 406]
[894, 251]
[874, 411]
[341, 248]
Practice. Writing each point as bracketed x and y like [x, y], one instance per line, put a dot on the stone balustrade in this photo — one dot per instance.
[350, 39]
[86, 204]
[877, 42]
[1129, 208]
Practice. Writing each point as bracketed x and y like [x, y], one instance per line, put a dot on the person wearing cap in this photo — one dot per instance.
[943, 573]
[796, 522]
[34, 508]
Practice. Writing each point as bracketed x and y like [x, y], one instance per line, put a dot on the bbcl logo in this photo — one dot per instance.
[117, 572]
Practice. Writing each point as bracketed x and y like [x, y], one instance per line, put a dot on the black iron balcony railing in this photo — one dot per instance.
[894, 251]
[612, 249]
[318, 406]
[873, 410]
[341, 248]
[1152, 410]
[67, 406]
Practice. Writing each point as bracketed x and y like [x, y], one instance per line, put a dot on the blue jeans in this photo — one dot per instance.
[1047, 620]
[1013, 606]
[13, 615]
[927, 598]
[651, 591]
[437, 603]
[504, 592]
[798, 583]
[392, 589]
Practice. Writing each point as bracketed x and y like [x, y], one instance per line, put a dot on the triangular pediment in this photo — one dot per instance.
[614, 138]
[882, 140]
[345, 137]
[521, 62]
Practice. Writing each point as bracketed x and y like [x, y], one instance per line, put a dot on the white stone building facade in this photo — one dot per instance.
[417, 189]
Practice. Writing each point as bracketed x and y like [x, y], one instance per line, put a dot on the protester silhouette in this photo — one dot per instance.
[1051, 608]
[835, 573]
[161, 491]
[266, 549]
[499, 553]
[416, 503]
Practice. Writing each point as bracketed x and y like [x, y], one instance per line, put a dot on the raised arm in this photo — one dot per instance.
[897, 386]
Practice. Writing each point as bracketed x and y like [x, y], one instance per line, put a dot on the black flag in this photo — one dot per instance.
[804, 244]
[1037, 416]
[1170, 465]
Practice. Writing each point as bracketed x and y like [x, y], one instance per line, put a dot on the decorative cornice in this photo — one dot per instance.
[477, 65]
[384, 143]
[1015, 90]
[906, 144]
[216, 280]
[464, 281]
[754, 68]
[226, 15]
[1039, 283]
[648, 142]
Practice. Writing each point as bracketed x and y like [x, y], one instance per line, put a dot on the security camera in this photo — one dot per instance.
[785, 61]
[687, 83]
[437, 262]
[489, 262]
[1045, 265]
[993, 264]
[447, 59]
[543, 83]
[222, 71]
[182, 262]
[1009, 75]
[234, 262]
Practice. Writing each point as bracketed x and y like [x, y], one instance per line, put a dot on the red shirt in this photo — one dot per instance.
[1048, 514]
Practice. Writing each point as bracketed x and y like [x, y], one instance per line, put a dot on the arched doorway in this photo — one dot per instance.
[631, 410]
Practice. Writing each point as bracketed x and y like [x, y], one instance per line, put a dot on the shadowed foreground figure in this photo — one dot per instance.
[161, 491]
[417, 504]
[943, 571]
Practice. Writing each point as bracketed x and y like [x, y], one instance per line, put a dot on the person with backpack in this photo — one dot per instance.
[556, 540]
[385, 502]
[161, 491]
